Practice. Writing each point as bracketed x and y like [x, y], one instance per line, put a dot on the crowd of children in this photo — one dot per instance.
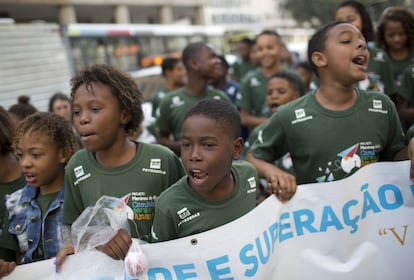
[354, 91]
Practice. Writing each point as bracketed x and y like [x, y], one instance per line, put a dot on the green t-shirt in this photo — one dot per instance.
[330, 145]
[398, 67]
[156, 99]
[8, 242]
[240, 68]
[252, 96]
[407, 84]
[138, 182]
[180, 211]
[175, 105]
[284, 163]
[379, 73]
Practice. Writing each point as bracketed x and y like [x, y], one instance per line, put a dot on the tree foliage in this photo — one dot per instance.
[318, 12]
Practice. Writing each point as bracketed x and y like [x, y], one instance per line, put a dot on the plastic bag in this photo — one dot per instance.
[98, 224]
[136, 263]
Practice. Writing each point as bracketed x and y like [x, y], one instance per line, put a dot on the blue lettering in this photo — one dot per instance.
[263, 259]
[160, 271]
[305, 222]
[249, 260]
[181, 275]
[215, 272]
[284, 227]
[347, 220]
[329, 218]
[383, 198]
[368, 202]
[273, 234]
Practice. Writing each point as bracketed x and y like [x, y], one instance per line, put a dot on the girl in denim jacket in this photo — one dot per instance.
[43, 144]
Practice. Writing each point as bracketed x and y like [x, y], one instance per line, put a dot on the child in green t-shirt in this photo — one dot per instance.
[106, 106]
[43, 144]
[282, 88]
[202, 65]
[11, 179]
[217, 189]
[395, 34]
[335, 130]
[253, 109]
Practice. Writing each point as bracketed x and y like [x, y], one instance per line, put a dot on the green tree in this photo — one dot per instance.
[318, 12]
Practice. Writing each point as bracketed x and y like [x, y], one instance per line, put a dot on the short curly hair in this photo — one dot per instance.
[58, 129]
[122, 86]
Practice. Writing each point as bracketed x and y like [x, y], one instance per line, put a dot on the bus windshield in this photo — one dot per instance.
[131, 47]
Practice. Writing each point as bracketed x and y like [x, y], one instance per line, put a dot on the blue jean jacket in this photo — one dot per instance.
[25, 222]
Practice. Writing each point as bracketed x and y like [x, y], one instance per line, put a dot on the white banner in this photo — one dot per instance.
[357, 228]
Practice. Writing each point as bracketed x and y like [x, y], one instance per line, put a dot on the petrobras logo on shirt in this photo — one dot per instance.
[254, 82]
[252, 184]
[154, 167]
[176, 101]
[379, 57]
[301, 116]
[185, 215]
[377, 107]
[80, 174]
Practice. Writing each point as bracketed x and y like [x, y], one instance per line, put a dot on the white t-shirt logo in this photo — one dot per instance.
[78, 171]
[183, 213]
[155, 163]
[300, 113]
[377, 104]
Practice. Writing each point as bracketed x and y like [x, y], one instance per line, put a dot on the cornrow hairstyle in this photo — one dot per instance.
[168, 64]
[269, 32]
[58, 129]
[55, 97]
[220, 111]
[6, 132]
[23, 108]
[191, 51]
[122, 86]
[399, 14]
[317, 42]
[293, 79]
[367, 26]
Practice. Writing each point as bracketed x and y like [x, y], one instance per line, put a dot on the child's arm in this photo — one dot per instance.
[279, 182]
[117, 248]
[6, 268]
[411, 157]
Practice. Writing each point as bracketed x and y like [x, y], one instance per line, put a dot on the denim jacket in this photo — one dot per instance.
[26, 224]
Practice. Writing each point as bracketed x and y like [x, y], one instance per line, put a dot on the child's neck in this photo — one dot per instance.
[196, 85]
[336, 98]
[9, 168]
[120, 153]
[56, 185]
[269, 71]
[400, 54]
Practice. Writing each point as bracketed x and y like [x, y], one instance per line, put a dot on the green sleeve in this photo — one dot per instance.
[270, 143]
[72, 201]
[407, 84]
[390, 88]
[244, 101]
[396, 139]
[163, 118]
[163, 227]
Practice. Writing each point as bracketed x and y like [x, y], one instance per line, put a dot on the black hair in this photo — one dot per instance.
[269, 32]
[223, 60]
[247, 41]
[55, 97]
[168, 64]
[192, 51]
[221, 111]
[317, 42]
[293, 79]
[6, 132]
[57, 128]
[399, 14]
[367, 26]
[305, 65]
[23, 108]
[122, 86]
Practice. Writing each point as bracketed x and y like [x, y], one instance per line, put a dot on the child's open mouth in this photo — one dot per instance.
[198, 174]
[360, 60]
